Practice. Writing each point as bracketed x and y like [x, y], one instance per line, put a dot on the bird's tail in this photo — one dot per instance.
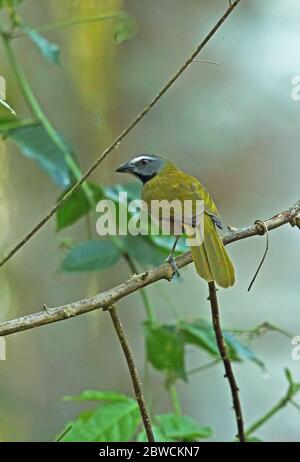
[211, 259]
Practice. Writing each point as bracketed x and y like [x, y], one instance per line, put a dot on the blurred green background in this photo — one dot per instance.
[233, 125]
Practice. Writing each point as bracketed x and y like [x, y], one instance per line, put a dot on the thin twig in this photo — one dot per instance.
[118, 140]
[260, 330]
[226, 361]
[206, 62]
[63, 434]
[136, 381]
[135, 283]
[296, 405]
[264, 255]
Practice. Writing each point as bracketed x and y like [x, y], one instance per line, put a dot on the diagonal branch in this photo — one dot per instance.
[120, 138]
[135, 378]
[222, 347]
[136, 282]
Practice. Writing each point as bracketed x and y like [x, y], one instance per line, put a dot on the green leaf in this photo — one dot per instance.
[121, 203]
[133, 191]
[182, 428]
[144, 251]
[166, 243]
[165, 350]
[96, 395]
[35, 144]
[125, 28]
[50, 51]
[76, 206]
[109, 423]
[201, 333]
[91, 256]
[238, 351]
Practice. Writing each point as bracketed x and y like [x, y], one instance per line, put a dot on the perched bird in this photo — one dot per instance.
[162, 180]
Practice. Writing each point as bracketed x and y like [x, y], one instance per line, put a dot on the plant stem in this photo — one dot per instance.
[296, 405]
[282, 403]
[73, 22]
[136, 381]
[226, 361]
[174, 398]
[151, 317]
[292, 390]
[41, 117]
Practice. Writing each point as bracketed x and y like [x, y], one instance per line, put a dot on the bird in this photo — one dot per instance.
[162, 180]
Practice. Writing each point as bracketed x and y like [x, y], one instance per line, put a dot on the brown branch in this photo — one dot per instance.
[120, 138]
[226, 361]
[136, 381]
[136, 282]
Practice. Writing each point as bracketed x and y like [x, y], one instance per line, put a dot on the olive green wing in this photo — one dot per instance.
[194, 190]
[178, 185]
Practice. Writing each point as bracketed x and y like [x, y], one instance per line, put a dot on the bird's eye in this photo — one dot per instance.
[144, 161]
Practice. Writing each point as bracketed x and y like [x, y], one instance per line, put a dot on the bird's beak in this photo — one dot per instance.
[125, 168]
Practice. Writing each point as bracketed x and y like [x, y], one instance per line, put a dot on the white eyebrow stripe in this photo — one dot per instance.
[138, 158]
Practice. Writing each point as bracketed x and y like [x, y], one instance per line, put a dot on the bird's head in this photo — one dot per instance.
[144, 166]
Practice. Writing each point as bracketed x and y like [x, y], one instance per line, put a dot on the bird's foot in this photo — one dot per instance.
[172, 262]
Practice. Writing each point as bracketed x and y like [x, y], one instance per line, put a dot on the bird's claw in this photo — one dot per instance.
[172, 262]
